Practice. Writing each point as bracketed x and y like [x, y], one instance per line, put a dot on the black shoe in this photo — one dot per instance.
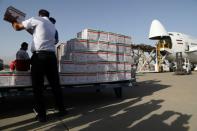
[62, 113]
[41, 118]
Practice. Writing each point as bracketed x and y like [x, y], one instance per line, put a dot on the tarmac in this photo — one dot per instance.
[157, 102]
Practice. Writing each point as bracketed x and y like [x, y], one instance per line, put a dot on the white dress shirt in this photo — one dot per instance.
[43, 34]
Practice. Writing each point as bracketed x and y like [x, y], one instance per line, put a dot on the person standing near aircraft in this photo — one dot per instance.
[43, 60]
[22, 58]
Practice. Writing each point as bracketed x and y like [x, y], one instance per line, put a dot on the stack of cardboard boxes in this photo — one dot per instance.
[95, 57]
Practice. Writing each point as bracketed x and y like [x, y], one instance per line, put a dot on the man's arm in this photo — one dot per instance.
[17, 26]
[30, 31]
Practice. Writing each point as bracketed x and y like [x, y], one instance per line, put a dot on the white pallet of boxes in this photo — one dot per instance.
[97, 56]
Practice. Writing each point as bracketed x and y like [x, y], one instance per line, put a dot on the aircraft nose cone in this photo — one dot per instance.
[157, 30]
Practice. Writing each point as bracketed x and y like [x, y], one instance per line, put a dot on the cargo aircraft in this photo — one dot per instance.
[171, 43]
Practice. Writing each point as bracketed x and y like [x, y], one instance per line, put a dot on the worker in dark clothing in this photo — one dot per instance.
[22, 58]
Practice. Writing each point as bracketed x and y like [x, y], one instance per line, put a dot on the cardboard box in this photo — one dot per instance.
[88, 34]
[81, 67]
[120, 39]
[112, 57]
[112, 37]
[66, 67]
[102, 66]
[93, 45]
[12, 12]
[112, 47]
[92, 56]
[79, 57]
[120, 48]
[78, 44]
[112, 66]
[103, 46]
[128, 49]
[91, 67]
[129, 58]
[128, 75]
[120, 66]
[103, 36]
[4, 79]
[121, 76]
[67, 79]
[102, 56]
[81, 78]
[128, 40]
[127, 67]
[92, 78]
[112, 76]
[102, 77]
[21, 78]
[120, 57]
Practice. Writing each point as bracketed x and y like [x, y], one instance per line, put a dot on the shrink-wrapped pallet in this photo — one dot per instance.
[104, 53]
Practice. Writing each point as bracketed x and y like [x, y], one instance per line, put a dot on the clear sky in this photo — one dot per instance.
[129, 17]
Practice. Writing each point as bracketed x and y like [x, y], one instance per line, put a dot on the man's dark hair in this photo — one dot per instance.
[52, 20]
[24, 44]
[43, 12]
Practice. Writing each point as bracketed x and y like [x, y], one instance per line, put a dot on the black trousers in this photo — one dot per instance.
[45, 64]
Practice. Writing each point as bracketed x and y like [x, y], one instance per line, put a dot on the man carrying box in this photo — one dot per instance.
[43, 60]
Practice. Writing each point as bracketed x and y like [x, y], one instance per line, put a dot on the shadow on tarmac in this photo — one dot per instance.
[92, 111]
